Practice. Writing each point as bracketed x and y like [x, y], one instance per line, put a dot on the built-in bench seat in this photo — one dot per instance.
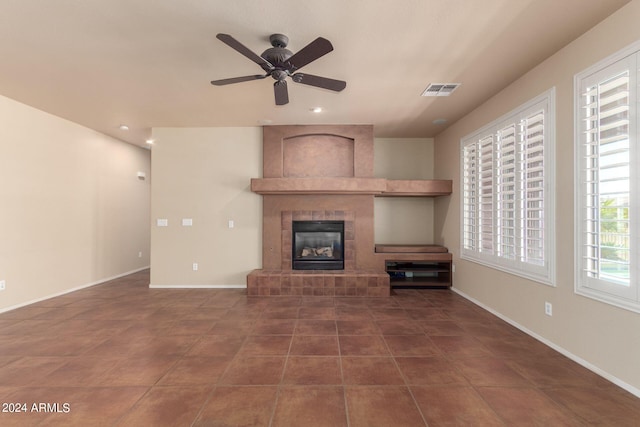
[422, 249]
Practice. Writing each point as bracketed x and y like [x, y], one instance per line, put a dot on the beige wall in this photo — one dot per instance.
[601, 335]
[403, 220]
[73, 211]
[204, 174]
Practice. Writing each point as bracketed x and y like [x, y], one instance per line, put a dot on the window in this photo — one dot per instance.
[507, 192]
[607, 158]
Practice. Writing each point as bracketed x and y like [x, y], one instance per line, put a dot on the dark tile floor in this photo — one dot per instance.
[123, 354]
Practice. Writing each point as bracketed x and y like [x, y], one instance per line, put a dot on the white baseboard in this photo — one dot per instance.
[617, 381]
[88, 285]
[197, 286]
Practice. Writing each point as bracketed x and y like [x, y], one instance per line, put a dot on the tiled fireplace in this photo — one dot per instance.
[318, 174]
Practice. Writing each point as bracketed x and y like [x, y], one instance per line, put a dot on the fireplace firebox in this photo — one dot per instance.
[318, 245]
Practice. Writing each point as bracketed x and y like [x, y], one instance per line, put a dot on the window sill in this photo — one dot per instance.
[547, 280]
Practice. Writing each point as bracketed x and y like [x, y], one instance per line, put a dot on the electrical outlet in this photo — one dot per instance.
[195, 266]
[139, 254]
[548, 309]
[2, 285]
[231, 223]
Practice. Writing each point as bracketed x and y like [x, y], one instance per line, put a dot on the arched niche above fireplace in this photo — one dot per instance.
[318, 155]
[317, 151]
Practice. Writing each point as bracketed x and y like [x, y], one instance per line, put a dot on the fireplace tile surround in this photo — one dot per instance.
[362, 275]
[288, 282]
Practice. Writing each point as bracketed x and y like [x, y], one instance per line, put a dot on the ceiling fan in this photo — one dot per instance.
[280, 63]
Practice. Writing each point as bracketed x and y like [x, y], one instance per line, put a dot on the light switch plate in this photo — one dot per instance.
[162, 222]
[187, 222]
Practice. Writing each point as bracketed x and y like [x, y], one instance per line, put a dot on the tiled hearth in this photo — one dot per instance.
[318, 283]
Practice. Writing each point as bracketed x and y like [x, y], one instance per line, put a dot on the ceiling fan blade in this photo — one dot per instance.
[314, 50]
[223, 82]
[235, 44]
[317, 81]
[280, 90]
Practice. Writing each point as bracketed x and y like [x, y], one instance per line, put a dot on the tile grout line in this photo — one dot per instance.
[280, 385]
[406, 383]
[344, 386]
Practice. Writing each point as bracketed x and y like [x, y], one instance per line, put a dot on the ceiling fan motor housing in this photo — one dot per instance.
[278, 56]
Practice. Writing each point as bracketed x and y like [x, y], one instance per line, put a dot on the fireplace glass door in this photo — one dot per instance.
[318, 245]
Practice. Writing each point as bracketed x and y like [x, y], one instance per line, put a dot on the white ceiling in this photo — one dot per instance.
[148, 63]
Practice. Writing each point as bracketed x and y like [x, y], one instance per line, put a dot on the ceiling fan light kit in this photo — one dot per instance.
[280, 63]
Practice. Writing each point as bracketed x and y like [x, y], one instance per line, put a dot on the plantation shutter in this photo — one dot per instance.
[470, 197]
[486, 194]
[532, 189]
[506, 192]
[606, 152]
[506, 169]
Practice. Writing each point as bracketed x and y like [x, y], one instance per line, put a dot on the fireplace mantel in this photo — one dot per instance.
[379, 187]
[318, 185]
[417, 187]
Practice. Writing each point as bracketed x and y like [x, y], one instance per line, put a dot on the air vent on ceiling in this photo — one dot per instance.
[440, 89]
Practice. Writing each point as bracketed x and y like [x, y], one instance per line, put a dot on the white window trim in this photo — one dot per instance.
[581, 286]
[542, 274]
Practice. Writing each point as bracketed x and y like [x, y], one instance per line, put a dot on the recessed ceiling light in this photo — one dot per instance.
[149, 141]
[316, 110]
[124, 127]
[439, 121]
